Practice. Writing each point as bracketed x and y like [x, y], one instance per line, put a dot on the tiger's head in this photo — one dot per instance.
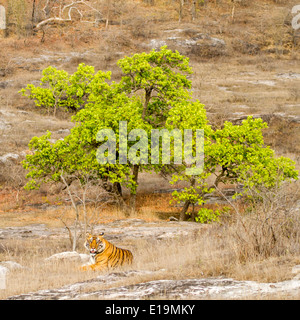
[94, 244]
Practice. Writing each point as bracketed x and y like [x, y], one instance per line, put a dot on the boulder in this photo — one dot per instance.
[204, 288]
[85, 258]
[4, 125]
[9, 156]
[11, 265]
[296, 269]
[191, 42]
[70, 256]
[3, 272]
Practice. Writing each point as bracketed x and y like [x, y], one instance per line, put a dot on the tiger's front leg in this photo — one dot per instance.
[94, 267]
[87, 267]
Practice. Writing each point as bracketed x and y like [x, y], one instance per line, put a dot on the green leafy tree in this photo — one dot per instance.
[152, 84]
[154, 93]
[58, 89]
[236, 154]
[161, 79]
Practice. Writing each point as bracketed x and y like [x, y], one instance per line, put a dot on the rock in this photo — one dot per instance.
[11, 265]
[296, 269]
[30, 231]
[23, 112]
[245, 47]
[6, 113]
[4, 84]
[269, 83]
[123, 229]
[3, 272]
[211, 288]
[173, 219]
[72, 291]
[267, 117]
[63, 131]
[156, 44]
[288, 76]
[207, 288]
[4, 125]
[191, 42]
[8, 156]
[70, 256]
[85, 258]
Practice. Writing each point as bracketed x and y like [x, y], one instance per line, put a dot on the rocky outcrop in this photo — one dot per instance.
[267, 117]
[191, 42]
[118, 229]
[209, 288]
[70, 256]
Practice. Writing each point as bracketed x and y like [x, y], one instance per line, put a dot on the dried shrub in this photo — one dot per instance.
[269, 227]
[245, 47]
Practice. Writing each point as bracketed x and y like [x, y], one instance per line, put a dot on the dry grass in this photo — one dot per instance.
[239, 247]
[211, 252]
[37, 273]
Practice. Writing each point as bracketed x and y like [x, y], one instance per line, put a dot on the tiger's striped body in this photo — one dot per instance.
[105, 255]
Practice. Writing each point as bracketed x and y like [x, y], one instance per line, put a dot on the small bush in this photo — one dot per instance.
[206, 215]
[270, 226]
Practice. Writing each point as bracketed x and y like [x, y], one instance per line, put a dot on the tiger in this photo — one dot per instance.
[103, 254]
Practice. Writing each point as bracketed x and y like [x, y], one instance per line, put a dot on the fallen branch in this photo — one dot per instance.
[66, 11]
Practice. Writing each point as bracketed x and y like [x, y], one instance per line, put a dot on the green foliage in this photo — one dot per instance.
[151, 85]
[205, 215]
[161, 78]
[58, 89]
[154, 93]
[195, 192]
[235, 154]
[244, 158]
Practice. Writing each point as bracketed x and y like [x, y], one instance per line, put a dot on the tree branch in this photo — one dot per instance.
[62, 10]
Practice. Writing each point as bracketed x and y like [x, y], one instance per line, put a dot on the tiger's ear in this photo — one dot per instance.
[87, 235]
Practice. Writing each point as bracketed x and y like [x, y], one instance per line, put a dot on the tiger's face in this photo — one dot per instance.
[94, 244]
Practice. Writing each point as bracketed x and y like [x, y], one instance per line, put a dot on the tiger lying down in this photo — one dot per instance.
[104, 255]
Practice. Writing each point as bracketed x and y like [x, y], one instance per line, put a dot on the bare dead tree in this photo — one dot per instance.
[194, 10]
[57, 11]
[88, 199]
[181, 4]
[33, 12]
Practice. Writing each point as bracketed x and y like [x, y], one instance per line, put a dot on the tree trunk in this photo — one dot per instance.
[183, 216]
[107, 15]
[117, 190]
[181, 3]
[147, 99]
[76, 222]
[123, 206]
[194, 10]
[133, 192]
[33, 14]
